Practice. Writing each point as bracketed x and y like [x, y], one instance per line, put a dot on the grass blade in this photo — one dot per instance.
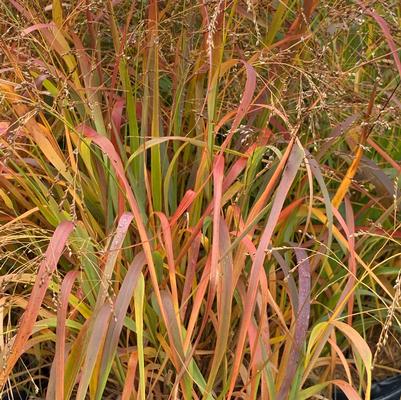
[121, 305]
[95, 345]
[301, 323]
[46, 268]
[59, 358]
[291, 169]
[129, 381]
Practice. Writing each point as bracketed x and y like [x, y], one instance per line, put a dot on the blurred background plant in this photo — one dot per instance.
[199, 200]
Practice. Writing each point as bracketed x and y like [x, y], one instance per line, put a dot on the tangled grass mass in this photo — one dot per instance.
[199, 199]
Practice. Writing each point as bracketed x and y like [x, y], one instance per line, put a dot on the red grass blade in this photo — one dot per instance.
[130, 378]
[225, 293]
[193, 254]
[386, 32]
[348, 390]
[109, 149]
[260, 203]
[246, 101]
[218, 173]
[185, 203]
[290, 171]
[59, 358]
[46, 269]
[168, 245]
[385, 155]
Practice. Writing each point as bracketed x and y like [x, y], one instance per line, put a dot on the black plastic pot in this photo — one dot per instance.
[388, 389]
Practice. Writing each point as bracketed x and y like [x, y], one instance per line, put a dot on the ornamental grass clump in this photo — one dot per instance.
[198, 200]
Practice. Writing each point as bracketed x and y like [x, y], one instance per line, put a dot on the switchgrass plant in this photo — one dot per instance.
[198, 200]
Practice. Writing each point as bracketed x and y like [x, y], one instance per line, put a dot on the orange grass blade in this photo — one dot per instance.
[115, 247]
[59, 358]
[364, 134]
[348, 390]
[290, 171]
[116, 324]
[130, 378]
[225, 294]
[46, 269]
[108, 149]
[93, 349]
[168, 246]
